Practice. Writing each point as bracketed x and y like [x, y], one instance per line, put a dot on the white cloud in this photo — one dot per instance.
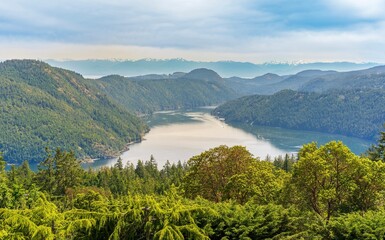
[162, 23]
[360, 8]
[25, 13]
[362, 45]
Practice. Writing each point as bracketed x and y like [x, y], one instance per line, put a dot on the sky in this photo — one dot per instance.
[255, 31]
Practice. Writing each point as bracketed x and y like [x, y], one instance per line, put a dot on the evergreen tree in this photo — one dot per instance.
[151, 167]
[2, 168]
[5, 192]
[59, 172]
[377, 152]
[25, 174]
[68, 171]
[140, 170]
[119, 164]
[46, 174]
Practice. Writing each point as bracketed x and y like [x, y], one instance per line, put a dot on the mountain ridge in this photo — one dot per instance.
[224, 68]
[310, 80]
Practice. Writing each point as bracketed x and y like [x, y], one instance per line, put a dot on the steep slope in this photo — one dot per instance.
[200, 87]
[42, 106]
[358, 113]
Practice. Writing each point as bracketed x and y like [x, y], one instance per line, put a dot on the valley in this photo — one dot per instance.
[69, 106]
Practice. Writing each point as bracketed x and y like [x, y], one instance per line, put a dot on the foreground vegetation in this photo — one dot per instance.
[223, 193]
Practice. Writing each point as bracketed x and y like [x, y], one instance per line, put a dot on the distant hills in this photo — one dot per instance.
[43, 106]
[359, 113]
[98, 68]
[310, 81]
[146, 94]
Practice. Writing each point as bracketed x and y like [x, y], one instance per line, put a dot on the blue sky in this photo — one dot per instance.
[207, 30]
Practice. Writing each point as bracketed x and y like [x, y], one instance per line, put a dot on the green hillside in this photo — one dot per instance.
[42, 106]
[357, 113]
[200, 87]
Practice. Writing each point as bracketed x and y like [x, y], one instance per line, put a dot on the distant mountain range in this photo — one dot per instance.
[99, 68]
[310, 81]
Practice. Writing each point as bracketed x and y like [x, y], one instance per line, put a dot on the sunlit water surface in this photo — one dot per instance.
[179, 135]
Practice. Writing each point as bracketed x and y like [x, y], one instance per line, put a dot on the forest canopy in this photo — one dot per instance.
[223, 193]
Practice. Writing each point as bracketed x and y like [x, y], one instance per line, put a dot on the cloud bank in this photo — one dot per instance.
[243, 30]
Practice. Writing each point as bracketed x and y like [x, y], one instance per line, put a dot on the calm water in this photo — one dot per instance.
[179, 135]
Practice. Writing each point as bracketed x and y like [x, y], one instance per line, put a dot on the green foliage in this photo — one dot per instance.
[159, 218]
[377, 152]
[59, 172]
[369, 185]
[284, 163]
[2, 163]
[42, 106]
[225, 173]
[331, 179]
[145, 178]
[370, 225]
[255, 221]
[351, 112]
[330, 194]
[21, 175]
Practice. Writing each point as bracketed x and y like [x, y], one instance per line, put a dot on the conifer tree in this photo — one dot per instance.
[377, 152]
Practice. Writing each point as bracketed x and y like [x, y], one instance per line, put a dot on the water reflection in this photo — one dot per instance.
[180, 140]
[179, 135]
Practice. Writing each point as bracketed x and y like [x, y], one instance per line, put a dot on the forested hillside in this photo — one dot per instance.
[200, 87]
[356, 113]
[42, 106]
